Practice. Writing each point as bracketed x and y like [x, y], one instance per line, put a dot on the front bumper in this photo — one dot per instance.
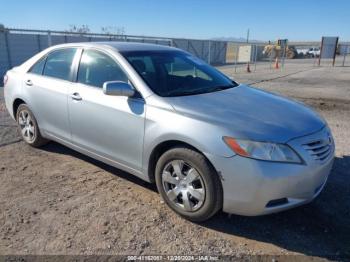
[252, 187]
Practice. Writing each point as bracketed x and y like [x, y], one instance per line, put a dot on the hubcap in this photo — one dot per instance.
[26, 125]
[183, 185]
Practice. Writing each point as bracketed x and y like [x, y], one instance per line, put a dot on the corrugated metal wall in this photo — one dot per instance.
[4, 55]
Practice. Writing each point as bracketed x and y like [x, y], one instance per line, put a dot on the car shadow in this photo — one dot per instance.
[60, 149]
[321, 228]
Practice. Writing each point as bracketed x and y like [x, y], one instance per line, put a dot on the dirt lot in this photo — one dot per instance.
[56, 201]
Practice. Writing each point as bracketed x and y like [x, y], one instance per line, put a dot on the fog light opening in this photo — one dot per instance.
[277, 202]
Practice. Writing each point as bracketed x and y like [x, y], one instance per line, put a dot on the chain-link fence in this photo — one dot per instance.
[258, 57]
[17, 45]
[343, 55]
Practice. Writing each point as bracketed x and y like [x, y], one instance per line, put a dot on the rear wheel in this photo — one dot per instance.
[29, 127]
[188, 184]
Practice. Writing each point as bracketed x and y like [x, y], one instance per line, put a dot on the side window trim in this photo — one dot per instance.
[82, 50]
[76, 65]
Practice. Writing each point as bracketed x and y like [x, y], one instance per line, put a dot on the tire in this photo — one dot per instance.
[181, 172]
[28, 127]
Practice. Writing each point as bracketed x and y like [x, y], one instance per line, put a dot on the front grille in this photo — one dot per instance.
[320, 149]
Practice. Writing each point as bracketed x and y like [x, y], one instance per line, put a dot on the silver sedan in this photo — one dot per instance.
[167, 117]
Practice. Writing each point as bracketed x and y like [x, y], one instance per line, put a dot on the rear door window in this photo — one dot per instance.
[59, 64]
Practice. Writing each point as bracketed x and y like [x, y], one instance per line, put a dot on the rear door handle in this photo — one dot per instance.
[76, 96]
[29, 82]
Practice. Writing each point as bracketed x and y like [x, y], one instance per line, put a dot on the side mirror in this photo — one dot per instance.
[118, 88]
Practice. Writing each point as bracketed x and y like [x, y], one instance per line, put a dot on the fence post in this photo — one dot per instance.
[255, 57]
[49, 40]
[271, 54]
[316, 59]
[284, 56]
[209, 52]
[39, 44]
[345, 53]
[9, 62]
[202, 50]
[319, 58]
[237, 49]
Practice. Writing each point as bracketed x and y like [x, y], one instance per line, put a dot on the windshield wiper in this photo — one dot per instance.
[198, 91]
[186, 93]
[220, 88]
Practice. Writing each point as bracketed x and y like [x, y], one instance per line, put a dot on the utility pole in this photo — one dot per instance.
[248, 66]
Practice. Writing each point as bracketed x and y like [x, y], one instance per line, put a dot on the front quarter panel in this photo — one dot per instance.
[164, 124]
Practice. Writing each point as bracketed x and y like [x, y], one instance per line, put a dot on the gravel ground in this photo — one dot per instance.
[56, 201]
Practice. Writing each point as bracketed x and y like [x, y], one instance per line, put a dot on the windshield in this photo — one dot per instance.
[175, 73]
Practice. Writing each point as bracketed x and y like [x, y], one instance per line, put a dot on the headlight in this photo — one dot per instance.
[263, 150]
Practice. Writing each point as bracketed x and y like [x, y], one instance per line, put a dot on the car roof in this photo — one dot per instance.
[121, 46]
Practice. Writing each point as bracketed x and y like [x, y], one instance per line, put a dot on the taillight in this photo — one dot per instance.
[5, 79]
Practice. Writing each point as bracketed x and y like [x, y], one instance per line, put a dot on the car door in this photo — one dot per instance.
[111, 127]
[46, 86]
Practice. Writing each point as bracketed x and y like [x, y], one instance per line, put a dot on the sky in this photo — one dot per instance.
[295, 20]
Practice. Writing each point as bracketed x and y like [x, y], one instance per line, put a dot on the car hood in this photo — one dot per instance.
[249, 113]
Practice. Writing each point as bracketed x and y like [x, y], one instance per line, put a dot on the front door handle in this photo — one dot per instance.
[29, 82]
[76, 96]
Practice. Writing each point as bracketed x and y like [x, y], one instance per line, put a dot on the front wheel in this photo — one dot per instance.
[189, 184]
[29, 127]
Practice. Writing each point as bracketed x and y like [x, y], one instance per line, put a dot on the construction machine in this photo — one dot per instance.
[276, 50]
